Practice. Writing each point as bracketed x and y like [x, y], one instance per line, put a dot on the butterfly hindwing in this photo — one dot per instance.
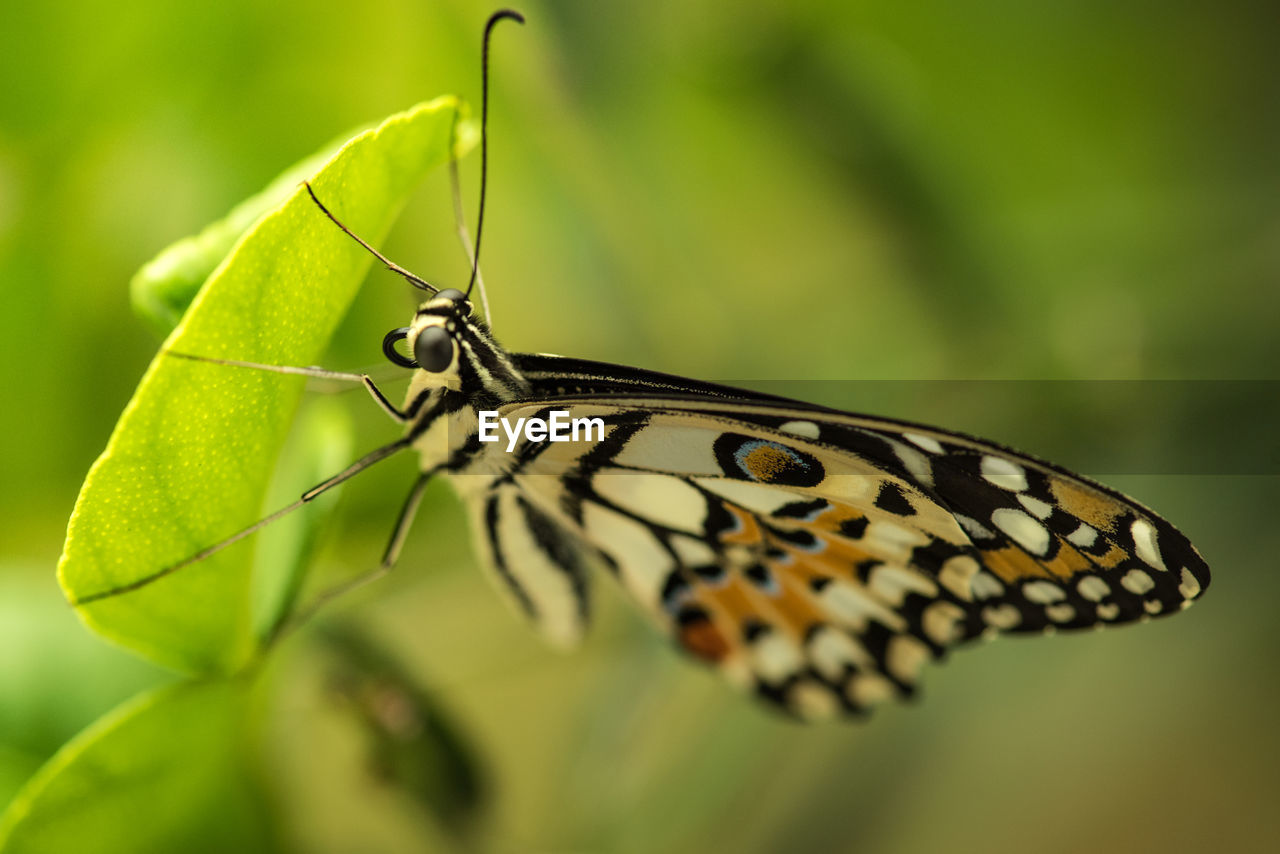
[541, 562]
[821, 558]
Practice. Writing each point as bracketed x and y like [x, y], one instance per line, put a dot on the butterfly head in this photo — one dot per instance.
[434, 336]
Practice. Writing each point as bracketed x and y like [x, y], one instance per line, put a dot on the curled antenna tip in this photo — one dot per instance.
[501, 14]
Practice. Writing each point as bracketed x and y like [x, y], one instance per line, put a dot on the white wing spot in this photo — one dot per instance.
[1153, 606]
[975, 529]
[852, 607]
[893, 583]
[850, 488]
[672, 448]
[757, 497]
[1084, 536]
[905, 656]
[941, 622]
[1003, 616]
[667, 500]
[692, 551]
[812, 700]
[740, 556]
[1190, 586]
[1063, 612]
[831, 650]
[914, 462]
[1022, 529]
[1043, 592]
[1144, 541]
[1108, 611]
[927, 443]
[1004, 473]
[869, 689]
[775, 657]
[894, 539]
[1093, 588]
[987, 586]
[807, 429]
[1036, 507]
[957, 575]
[1137, 582]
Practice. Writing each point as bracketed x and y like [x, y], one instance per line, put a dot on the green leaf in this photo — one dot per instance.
[166, 771]
[190, 458]
[166, 285]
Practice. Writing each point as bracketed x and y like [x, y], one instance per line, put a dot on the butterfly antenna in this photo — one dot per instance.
[484, 129]
[417, 281]
[464, 236]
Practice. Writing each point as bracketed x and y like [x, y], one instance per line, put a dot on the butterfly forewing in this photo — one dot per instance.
[816, 557]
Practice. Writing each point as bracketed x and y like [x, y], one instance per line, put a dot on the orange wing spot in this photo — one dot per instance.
[732, 601]
[704, 640]
[767, 463]
[749, 532]
[739, 600]
[1086, 504]
[1013, 564]
[794, 604]
[831, 521]
[1113, 558]
[1068, 562]
[805, 568]
[844, 553]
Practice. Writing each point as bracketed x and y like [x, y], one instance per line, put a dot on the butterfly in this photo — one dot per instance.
[814, 557]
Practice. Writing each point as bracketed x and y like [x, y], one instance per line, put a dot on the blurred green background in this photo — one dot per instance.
[767, 194]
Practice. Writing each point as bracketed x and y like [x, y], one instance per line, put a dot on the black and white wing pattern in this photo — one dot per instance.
[818, 558]
[539, 561]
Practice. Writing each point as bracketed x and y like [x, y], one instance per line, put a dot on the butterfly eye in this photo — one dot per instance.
[433, 349]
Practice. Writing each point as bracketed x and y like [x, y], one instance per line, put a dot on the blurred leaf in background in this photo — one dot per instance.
[165, 771]
[941, 192]
[413, 744]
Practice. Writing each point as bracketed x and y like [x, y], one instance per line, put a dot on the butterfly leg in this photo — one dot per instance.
[313, 372]
[389, 557]
[310, 495]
